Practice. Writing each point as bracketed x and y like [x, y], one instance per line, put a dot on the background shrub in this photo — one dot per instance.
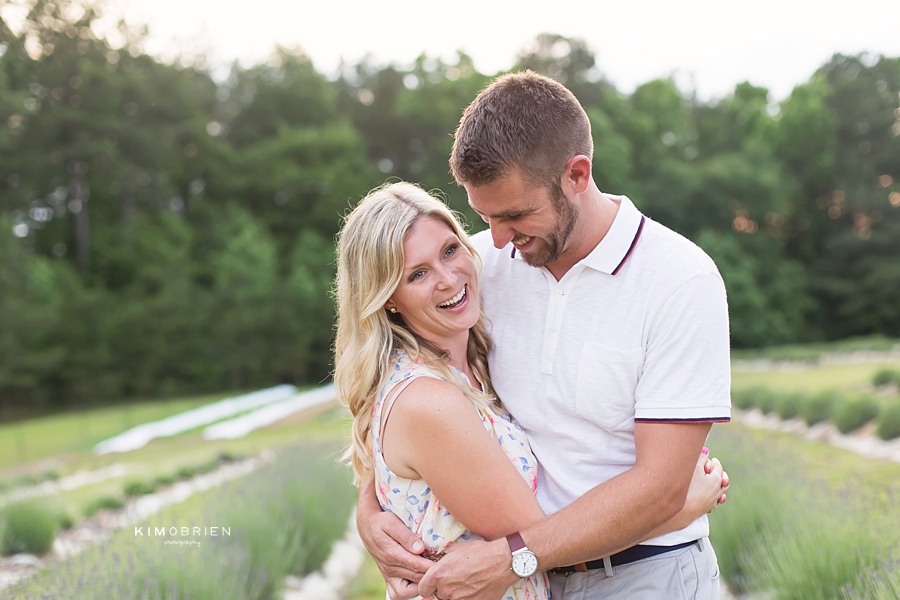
[852, 414]
[186, 472]
[207, 467]
[65, 520]
[788, 405]
[818, 408]
[28, 527]
[765, 401]
[164, 480]
[886, 377]
[103, 503]
[228, 457]
[139, 488]
[50, 475]
[745, 399]
[889, 421]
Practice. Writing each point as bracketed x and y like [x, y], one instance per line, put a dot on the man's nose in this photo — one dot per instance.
[500, 233]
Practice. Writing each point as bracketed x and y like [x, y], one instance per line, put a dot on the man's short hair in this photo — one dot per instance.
[521, 121]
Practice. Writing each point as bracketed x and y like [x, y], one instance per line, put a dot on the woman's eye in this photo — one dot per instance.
[450, 250]
[416, 275]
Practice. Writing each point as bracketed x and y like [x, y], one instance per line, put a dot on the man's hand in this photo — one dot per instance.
[392, 545]
[470, 571]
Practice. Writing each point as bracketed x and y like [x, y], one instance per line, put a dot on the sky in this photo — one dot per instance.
[707, 46]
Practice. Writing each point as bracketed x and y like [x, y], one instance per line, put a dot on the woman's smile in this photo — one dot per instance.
[437, 296]
[456, 302]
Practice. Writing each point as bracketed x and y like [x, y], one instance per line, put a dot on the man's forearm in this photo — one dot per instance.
[622, 511]
[608, 518]
[366, 502]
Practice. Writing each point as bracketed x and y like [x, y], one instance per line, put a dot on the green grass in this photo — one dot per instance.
[850, 377]
[161, 455]
[812, 352]
[368, 583]
[803, 519]
[165, 458]
[44, 437]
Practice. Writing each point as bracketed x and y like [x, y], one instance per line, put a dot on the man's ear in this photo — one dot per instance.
[577, 174]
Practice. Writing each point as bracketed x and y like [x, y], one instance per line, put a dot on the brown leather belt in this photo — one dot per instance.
[629, 555]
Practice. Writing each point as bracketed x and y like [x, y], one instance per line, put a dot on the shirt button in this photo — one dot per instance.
[560, 293]
[552, 330]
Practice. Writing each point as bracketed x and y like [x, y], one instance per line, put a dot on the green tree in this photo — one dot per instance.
[245, 287]
[766, 300]
[30, 307]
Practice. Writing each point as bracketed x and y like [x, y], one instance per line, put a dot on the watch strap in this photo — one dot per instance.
[515, 541]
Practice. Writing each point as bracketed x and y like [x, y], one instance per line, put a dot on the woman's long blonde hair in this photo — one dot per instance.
[369, 268]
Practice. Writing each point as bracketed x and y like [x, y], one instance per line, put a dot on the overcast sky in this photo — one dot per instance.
[710, 45]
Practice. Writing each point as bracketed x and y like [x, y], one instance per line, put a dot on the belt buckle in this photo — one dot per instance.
[578, 568]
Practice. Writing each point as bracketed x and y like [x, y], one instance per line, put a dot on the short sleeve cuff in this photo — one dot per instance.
[706, 414]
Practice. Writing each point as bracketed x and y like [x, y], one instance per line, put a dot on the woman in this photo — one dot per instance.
[411, 363]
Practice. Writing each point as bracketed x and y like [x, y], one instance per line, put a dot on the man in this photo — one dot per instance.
[611, 351]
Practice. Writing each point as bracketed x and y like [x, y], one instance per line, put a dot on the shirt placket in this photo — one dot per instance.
[556, 309]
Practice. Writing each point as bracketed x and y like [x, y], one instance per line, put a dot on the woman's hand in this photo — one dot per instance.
[708, 486]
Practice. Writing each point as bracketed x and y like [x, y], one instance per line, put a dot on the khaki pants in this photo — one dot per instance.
[691, 573]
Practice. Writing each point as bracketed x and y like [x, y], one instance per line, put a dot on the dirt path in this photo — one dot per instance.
[64, 484]
[863, 441]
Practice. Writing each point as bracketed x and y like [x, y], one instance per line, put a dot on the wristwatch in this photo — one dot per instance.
[524, 561]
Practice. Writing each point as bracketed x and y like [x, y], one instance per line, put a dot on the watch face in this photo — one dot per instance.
[524, 564]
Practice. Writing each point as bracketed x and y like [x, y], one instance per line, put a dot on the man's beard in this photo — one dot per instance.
[554, 244]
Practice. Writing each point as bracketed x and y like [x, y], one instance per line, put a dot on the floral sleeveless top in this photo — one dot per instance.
[414, 502]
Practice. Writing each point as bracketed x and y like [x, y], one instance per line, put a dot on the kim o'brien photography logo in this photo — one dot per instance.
[181, 536]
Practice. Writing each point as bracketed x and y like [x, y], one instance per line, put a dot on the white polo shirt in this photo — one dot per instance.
[636, 331]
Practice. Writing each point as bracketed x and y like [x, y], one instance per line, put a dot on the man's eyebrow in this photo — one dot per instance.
[506, 214]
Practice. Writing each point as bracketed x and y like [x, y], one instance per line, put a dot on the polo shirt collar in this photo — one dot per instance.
[619, 242]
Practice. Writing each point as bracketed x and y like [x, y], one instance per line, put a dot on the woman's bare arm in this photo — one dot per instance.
[434, 433]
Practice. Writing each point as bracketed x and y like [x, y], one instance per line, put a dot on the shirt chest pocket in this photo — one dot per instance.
[607, 379]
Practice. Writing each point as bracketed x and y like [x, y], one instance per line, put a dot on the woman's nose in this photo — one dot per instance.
[446, 276]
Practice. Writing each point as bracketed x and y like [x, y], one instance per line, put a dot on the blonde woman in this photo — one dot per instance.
[411, 364]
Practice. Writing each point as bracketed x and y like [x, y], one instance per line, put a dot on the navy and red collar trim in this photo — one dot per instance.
[634, 242]
[619, 243]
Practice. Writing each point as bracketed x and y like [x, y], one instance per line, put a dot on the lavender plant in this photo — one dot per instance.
[281, 519]
[787, 533]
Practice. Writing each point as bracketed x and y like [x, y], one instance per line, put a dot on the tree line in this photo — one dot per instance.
[164, 232]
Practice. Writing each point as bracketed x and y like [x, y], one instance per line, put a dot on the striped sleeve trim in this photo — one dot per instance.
[695, 420]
